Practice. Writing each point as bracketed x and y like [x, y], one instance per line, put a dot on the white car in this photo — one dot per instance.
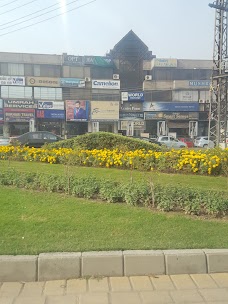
[203, 142]
[171, 142]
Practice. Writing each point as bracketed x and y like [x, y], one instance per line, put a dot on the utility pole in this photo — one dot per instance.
[218, 103]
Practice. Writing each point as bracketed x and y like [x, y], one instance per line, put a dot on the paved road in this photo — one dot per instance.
[203, 288]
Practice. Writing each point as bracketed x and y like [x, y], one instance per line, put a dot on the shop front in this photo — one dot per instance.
[50, 116]
[77, 115]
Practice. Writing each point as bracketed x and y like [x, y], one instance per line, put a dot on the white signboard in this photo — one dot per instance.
[50, 105]
[185, 96]
[12, 80]
[106, 84]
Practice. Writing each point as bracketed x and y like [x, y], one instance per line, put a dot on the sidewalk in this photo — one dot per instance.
[197, 288]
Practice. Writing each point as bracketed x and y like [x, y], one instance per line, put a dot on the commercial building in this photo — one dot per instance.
[129, 91]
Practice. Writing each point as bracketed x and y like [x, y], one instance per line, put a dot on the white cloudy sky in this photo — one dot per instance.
[170, 28]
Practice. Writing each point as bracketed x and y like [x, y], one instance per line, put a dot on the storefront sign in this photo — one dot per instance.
[131, 115]
[106, 84]
[87, 60]
[138, 125]
[165, 62]
[12, 80]
[171, 106]
[186, 96]
[199, 83]
[20, 104]
[171, 115]
[18, 115]
[50, 114]
[42, 82]
[72, 82]
[104, 110]
[132, 96]
[77, 110]
[50, 105]
[131, 107]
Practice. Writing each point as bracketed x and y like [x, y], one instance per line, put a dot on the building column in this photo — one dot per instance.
[6, 129]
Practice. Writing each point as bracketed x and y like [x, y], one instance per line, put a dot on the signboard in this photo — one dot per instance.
[132, 107]
[20, 104]
[50, 114]
[50, 105]
[77, 110]
[185, 96]
[138, 124]
[18, 115]
[171, 115]
[131, 115]
[171, 106]
[165, 62]
[199, 83]
[12, 80]
[72, 82]
[42, 81]
[106, 84]
[132, 96]
[104, 110]
[87, 60]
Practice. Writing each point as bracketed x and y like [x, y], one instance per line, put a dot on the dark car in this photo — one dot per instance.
[35, 139]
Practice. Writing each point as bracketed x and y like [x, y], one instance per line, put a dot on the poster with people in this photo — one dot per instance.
[77, 110]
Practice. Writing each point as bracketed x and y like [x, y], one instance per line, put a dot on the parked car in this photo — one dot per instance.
[151, 140]
[35, 139]
[189, 141]
[4, 141]
[171, 142]
[203, 142]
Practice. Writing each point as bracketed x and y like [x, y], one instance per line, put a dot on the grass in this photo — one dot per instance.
[35, 222]
[205, 182]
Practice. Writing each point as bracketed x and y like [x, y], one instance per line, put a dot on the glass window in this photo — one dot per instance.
[36, 70]
[4, 69]
[16, 69]
[16, 92]
[50, 70]
[28, 70]
[48, 93]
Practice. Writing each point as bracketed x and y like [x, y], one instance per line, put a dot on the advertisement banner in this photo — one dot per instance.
[18, 115]
[50, 114]
[104, 110]
[20, 104]
[42, 81]
[132, 107]
[132, 96]
[87, 60]
[131, 115]
[1, 116]
[77, 110]
[171, 115]
[50, 105]
[72, 82]
[106, 84]
[185, 96]
[164, 62]
[12, 80]
[171, 106]
[138, 125]
[199, 83]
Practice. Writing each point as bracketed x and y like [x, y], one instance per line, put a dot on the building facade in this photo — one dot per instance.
[129, 91]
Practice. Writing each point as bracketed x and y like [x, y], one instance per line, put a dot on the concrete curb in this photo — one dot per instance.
[57, 266]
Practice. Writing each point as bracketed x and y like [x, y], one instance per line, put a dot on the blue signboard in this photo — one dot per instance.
[72, 82]
[132, 96]
[199, 83]
[171, 106]
[50, 114]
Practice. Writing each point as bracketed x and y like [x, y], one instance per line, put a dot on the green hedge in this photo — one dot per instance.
[104, 140]
[162, 197]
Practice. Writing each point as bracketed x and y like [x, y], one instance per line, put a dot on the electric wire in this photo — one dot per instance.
[13, 9]
[8, 3]
[1, 29]
[83, 5]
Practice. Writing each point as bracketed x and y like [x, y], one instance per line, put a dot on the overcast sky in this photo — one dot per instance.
[170, 28]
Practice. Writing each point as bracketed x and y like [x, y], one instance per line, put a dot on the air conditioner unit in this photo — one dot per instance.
[87, 79]
[148, 77]
[201, 101]
[116, 76]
